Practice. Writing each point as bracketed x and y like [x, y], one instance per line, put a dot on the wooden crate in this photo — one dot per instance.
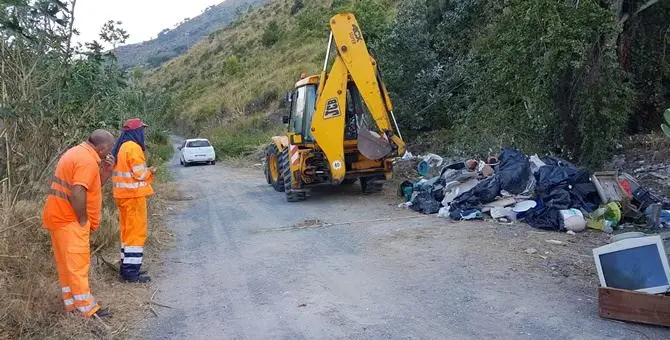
[628, 305]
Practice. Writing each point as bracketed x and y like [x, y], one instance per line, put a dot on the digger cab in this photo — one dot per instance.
[302, 106]
[302, 102]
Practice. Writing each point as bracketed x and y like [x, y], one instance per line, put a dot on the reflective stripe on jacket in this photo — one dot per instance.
[131, 177]
[79, 165]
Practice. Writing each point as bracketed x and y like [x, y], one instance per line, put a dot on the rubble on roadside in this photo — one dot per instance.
[543, 191]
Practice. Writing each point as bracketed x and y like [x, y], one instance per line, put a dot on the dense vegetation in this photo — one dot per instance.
[559, 76]
[51, 96]
[567, 77]
[171, 43]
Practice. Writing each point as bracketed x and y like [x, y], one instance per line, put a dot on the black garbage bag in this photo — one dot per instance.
[555, 161]
[585, 196]
[545, 218]
[560, 185]
[565, 176]
[547, 215]
[484, 192]
[514, 171]
[426, 203]
[550, 176]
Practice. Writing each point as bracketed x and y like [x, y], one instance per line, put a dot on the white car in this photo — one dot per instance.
[197, 150]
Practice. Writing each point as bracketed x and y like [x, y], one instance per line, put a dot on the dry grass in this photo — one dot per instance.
[30, 304]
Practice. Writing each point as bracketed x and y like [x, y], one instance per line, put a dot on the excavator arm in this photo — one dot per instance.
[353, 63]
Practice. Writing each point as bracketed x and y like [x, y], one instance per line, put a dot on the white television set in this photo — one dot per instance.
[638, 264]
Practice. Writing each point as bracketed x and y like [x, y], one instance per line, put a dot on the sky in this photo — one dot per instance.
[143, 19]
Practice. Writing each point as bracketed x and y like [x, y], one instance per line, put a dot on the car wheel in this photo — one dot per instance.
[212, 162]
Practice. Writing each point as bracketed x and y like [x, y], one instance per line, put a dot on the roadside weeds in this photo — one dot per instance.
[30, 304]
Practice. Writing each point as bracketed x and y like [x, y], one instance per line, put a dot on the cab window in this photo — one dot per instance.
[298, 110]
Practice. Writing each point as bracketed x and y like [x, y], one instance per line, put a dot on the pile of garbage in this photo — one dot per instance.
[546, 192]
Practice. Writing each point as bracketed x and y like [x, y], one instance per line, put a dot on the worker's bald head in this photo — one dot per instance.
[103, 141]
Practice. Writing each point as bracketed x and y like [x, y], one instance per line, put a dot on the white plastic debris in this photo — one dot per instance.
[499, 212]
[556, 242]
[536, 163]
[573, 220]
[443, 213]
[524, 206]
[433, 160]
[407, 156]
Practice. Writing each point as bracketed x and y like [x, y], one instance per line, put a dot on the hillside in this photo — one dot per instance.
[541, 76]
[242, 70]
[173, 42]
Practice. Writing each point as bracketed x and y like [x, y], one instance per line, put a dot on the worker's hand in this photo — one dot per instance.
[109, 161]
[83, 222]
[153, 169]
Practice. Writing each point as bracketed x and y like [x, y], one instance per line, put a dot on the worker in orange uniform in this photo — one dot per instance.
[131, 185]
[72, 211]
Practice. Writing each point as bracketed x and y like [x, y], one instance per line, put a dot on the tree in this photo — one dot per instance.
[535, 74]
[113, 34]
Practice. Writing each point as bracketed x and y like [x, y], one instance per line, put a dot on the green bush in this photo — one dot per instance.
[231, 66]
[159, 148]
[666, 126]
[313, 21]
[271, 34]
[242, 137]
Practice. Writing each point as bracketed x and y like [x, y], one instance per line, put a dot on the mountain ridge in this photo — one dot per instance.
[171, 43]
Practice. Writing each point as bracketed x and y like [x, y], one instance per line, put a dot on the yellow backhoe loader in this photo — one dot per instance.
[340, 124]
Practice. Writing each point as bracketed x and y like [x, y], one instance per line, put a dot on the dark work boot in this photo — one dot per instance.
[138, 279]
[102, 313]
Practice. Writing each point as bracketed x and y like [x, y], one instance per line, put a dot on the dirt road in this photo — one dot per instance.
[248, 265]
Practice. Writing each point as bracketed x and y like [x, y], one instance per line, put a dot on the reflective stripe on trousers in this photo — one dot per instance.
[135, 185]
[72, 256]
[88, 307]
[68, 301]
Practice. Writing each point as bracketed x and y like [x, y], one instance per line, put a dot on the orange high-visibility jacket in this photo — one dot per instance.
[79, 165]
[131, 177]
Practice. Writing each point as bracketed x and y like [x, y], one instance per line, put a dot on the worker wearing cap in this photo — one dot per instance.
[72, 211]
[131, 185]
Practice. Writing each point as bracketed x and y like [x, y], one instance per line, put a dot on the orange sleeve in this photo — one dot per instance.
[84, 174]
[138, 164]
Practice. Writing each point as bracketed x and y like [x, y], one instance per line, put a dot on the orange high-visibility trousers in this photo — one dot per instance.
[133, 225]
[73, 263]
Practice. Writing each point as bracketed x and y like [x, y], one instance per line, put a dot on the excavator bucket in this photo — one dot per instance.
[372, 145]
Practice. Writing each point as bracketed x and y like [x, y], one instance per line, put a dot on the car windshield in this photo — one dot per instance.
[198, 144]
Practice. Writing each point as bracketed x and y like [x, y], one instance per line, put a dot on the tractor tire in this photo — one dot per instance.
[371, 185]
[291, 196]
[273, 168]
[266, 171]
